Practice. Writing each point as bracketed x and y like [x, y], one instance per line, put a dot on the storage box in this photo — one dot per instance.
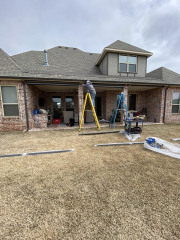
[56, 121]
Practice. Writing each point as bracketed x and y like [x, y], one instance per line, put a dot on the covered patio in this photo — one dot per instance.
[59, 104]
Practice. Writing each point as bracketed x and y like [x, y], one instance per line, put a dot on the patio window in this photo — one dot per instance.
[9, 101]
[127, 63]
[176, 102]
[69, 104]
[57, 112]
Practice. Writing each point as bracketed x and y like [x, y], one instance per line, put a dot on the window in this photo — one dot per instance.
[127, 63]
[57, 112]
[176, 102]
[69, 104]
[10, 101]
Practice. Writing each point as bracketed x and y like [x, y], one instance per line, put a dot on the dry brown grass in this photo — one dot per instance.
[109, 193]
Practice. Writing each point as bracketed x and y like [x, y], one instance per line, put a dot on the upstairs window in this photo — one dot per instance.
[9, 101]
[176, 102]
[127, 63]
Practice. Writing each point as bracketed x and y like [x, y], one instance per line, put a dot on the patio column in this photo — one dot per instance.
[80, 101]
[125, 91]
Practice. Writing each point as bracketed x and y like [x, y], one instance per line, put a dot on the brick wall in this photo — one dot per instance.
[153, 101]
[110, 98]
[154, 104]
[169, 116]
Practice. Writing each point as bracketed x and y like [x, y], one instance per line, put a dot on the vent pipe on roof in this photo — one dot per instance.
[46, 58]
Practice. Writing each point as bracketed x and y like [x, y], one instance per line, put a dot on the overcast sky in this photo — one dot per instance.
[153, 25]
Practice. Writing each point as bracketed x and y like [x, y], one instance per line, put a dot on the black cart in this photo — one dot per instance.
[133, 130]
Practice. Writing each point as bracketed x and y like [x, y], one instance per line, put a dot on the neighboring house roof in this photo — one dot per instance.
[166, 75]
[122, 47]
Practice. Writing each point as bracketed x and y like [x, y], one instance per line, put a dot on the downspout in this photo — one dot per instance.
[26, 109]
[164, 113]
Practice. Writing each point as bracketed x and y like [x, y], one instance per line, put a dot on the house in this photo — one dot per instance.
[52, 80]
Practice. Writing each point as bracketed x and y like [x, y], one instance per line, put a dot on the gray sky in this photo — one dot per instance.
[153, 25]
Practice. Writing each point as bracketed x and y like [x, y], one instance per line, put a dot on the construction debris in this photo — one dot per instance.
[94, 133]
[129, 136]
[115, 144]
[161, 146]
[36, 153]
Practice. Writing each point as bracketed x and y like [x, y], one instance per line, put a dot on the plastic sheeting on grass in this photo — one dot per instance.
[131, 137]
[163, 147]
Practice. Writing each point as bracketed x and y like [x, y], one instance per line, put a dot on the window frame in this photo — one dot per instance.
[66, 102]
[127, 63]
[175, 104]
[2, 104]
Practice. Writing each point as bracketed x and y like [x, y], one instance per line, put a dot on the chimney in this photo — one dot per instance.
[46, 58]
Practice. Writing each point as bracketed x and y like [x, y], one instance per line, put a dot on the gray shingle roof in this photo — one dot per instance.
[62, 60]
[166, 75]
[120, 45]
[7, 64]
[66, 63]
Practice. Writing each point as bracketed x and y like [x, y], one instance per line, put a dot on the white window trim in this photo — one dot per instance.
[176, 103]
[127, 63]
[2, 104]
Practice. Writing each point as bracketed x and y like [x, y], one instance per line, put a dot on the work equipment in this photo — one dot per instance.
[120, 102]
[133, 130]
[93, 111]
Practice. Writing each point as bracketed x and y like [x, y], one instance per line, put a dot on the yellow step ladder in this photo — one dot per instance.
[93, 110]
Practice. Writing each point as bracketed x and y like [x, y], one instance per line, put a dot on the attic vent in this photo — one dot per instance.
[75, 48]
[60, 47]
[46, 58]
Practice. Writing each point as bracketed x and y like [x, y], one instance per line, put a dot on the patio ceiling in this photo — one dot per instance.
[54, 86]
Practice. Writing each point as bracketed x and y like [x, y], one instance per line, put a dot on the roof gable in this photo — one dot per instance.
[124, 48]
[120, 45]
[7, 63]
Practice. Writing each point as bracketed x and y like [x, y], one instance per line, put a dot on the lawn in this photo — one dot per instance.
[117, 192]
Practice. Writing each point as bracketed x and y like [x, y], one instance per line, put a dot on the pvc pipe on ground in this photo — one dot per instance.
[94, 133]
[36, 153]
[115, 144]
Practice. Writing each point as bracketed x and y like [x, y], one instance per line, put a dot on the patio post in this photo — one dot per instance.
[80, 101]
[125, 91]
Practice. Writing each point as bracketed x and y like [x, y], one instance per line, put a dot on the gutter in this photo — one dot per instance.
[165, 100]
[25, 104]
